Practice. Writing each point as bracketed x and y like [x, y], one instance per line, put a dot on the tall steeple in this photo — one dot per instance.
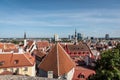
[24, 35]
[25, 41]
[75, 37]
[75, 33]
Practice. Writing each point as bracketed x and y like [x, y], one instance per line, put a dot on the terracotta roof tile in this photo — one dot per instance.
[29, 43]
[39, 53]
[1, 45]
[86, 72]
[8, 47]
[57, 61]
[76, 50]
[16, 60]
[42, 44]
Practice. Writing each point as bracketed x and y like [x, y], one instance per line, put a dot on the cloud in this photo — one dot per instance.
[63, 18]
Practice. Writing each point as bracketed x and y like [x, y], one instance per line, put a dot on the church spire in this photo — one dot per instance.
[25, 41]
[75, 37]
[24, 35]
[75, 33]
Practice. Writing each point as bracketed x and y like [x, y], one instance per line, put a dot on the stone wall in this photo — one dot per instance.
[18, 77]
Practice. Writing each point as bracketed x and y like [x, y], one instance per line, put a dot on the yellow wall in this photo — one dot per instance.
[30, 70]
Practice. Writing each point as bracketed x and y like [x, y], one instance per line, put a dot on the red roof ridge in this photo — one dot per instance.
[16, 60]
[57, 60]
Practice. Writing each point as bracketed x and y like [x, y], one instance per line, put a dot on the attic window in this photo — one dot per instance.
[79, 53]
[83, 52]
[2, 63]
[75, 53]
[81, 76]
[16, 61]
[30, 57]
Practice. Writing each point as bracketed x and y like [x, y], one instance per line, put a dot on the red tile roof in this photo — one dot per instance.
[7, 47]
[29, 43]
[82, 71]
[39, 53]
[8, 60]
[80, 49]
[1, 45]
[42, 44]
[57, 61]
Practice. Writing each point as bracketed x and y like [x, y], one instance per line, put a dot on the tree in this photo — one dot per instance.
[108, 67]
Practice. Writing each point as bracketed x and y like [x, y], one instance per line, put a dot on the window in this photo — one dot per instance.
[16, 61]
[79, 53]
[11, 69]
[2, 63]
[16, 71]
[25, 69]
[5, 69]
[81, 76]
[30, 57]
[75, 53]
[83, 52]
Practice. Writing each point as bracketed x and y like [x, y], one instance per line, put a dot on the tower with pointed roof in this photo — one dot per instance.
[24, 35]
[75, 37]
[25, 41]
[59, 62]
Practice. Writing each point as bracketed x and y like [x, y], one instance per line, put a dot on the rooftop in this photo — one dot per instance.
[57, 61]
[8, 60]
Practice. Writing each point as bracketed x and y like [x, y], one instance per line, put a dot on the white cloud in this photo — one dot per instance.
[63, 18]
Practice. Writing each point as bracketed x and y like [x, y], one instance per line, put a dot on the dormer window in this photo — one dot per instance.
[30, 57]
[2, 63]
[16, 61]
[81, 76]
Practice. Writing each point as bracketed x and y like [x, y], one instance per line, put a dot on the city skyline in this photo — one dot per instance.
[45, 18]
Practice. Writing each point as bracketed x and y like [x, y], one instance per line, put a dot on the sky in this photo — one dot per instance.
[44, 18]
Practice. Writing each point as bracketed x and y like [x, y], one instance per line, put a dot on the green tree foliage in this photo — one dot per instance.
[108, 67]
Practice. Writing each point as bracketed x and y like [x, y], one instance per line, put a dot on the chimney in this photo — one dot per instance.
[0, 50]
[50, 74]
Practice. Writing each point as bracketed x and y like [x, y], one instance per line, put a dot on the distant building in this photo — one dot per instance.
[80, 36]
[25, 41]
[56, 37]
[75, 42]
[72, 36]
[107, 37]
[69, 37]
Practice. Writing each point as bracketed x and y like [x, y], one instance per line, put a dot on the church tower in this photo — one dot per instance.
[25, 41]
[24, 35]
[75, 37]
